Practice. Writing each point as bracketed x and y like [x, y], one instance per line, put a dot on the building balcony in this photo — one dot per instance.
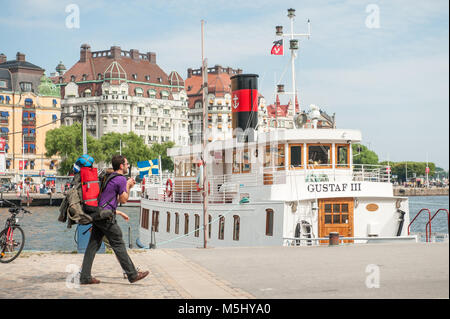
[29, 122]
[29, 138]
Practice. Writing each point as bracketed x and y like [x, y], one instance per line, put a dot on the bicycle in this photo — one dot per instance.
[12, 237]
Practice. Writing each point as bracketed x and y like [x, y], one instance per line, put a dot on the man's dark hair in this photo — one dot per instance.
[116, 161]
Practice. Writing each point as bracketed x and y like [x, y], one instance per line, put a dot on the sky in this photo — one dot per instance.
[381, 66]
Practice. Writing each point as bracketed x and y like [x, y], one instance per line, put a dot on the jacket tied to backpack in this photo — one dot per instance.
[71, 209]
[80, 205]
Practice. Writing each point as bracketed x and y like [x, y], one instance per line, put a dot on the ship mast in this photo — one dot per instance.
[204, 102]
[293, 46]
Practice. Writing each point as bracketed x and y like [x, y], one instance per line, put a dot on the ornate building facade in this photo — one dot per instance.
[219, 103]
[30, 105]
[124, 91]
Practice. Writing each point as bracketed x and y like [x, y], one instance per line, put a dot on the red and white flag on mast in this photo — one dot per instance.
[277, 48]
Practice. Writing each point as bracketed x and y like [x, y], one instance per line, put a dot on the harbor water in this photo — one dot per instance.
[44, 232]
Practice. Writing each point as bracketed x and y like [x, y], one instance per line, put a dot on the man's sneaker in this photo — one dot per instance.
[90, 282]
[140, 275]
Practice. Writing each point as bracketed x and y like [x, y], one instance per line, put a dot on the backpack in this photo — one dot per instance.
[104, 178]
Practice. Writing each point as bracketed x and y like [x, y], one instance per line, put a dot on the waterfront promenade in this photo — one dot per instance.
[383, 270]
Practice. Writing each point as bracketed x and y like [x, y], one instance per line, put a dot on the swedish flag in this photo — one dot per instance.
[148, 167]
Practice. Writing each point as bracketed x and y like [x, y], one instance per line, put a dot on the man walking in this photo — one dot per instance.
[117, 190]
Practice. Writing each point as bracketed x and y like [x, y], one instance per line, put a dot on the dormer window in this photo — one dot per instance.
[164, 95]
[72, 78]
[139, 92]
[147, 77]
[84, 77]
[152, 93]
[160, 80]
[99, 76]
[135, 76]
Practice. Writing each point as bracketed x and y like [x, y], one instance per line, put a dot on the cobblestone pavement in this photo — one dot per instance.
[50, 275]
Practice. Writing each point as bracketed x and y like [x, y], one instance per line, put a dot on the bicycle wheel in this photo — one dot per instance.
[11, 247]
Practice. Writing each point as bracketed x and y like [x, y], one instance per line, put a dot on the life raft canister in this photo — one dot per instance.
[90, 185]
[169, 188]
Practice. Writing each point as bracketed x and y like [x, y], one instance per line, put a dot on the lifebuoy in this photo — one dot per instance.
[169, 188]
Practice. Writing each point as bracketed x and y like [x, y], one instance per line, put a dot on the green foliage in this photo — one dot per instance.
[362, 155]
[133, 147]
[67, 142]
[161, 150]
[415, 169]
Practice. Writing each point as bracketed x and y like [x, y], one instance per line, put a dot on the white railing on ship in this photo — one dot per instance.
[224, 188]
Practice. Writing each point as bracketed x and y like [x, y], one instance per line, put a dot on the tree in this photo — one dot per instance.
[67, 143]
[133, 147]
[362, 155]
[161, 150]
[415, 169]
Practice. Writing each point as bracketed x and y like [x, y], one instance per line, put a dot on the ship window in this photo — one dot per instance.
[295, 156]
[221, 227]
[342, 155]
[280, 156]
[327, 208]
[246, 166]
[197, 225]
[269, 222]
[155, 220]
[236, 226]
[144, 218]
[267, 157]
[186, 223]
[177, 223]
[319, 155]
[209, 225]
[328, 219]
[336, 218]
[236, 162]
[168, 222]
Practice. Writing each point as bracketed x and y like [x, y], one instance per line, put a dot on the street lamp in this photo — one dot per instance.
[279, 30]
[291, 13]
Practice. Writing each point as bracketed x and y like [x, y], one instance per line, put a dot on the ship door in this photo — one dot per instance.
[336, 215]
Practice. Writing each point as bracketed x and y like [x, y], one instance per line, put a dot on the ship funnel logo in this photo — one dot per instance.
[235, 102]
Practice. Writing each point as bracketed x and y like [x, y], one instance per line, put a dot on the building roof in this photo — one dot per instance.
[279, 110]
[138, 68]
[219, 82]
[12, 64]
[5, 75]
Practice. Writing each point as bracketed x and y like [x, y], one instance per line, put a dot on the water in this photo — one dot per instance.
[439, 224]
[44, 232]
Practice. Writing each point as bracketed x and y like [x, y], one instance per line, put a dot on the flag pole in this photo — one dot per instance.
[160, 169]
[205, 95]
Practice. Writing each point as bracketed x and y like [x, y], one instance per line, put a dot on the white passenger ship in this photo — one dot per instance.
[254, 202]
[283, 187]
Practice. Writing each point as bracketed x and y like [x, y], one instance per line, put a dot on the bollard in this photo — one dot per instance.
[334, 239]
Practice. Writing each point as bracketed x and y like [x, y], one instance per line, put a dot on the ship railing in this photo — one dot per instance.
[300, 241]
[366, 173]
[221, 189]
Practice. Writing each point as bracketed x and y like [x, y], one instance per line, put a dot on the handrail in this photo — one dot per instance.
[429, 222]
[429, 218]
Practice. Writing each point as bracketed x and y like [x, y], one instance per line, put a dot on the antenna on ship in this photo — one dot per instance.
[293, 46]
